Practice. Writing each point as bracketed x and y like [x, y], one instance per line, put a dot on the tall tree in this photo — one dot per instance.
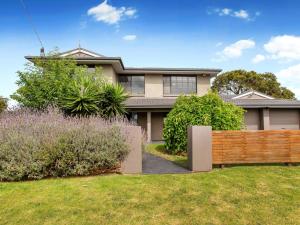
[44, 82]
[74, 89]
[47, 81]
[239, 81]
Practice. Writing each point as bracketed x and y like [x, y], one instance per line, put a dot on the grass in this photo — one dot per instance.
[237, 195]
[159, 150]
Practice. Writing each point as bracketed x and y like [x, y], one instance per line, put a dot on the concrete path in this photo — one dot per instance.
[156, 165]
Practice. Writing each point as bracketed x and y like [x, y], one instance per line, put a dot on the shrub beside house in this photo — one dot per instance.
[208, 110]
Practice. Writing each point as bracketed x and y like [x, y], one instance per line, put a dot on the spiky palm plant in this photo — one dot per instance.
[82, 98]
[112, 100]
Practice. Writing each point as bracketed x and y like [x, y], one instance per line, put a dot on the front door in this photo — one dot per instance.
[157, 125]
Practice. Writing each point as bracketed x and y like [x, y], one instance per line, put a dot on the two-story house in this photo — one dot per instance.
[153, 92]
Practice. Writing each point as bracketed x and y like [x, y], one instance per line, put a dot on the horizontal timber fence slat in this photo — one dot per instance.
[263, 146]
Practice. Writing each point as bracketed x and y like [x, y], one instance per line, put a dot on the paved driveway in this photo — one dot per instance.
[156, 165]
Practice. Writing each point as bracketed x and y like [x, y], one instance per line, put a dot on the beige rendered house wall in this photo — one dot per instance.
[203, 85]
[153, 86]
[109, 73]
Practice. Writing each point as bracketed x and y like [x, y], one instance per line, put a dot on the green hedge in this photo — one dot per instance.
[208, 110]
[38, 145]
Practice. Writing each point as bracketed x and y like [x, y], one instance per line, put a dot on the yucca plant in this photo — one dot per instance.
[111, 102]
[83, 97]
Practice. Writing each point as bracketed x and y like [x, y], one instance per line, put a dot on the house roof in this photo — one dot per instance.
[265, 103]
[167, 103]
[252, 94]
[86, 57]
[80, 51]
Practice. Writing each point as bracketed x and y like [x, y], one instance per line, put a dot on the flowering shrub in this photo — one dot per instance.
[34, 145]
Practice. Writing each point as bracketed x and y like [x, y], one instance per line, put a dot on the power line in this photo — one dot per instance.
[31, 22]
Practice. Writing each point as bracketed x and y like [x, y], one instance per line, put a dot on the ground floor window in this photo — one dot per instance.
[133, 117]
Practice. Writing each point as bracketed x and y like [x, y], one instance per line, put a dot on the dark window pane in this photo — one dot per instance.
[176, 85]
[134, 85]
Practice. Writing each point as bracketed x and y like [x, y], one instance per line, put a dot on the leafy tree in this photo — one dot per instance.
[3, 104]
[208, 110]
[239, 81]
[112, 99]
[44, 82]
[61, 82]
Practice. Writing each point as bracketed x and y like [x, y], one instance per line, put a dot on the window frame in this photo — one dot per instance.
[132, 75]
[174, 95]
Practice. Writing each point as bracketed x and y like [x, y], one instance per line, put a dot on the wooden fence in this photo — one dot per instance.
[265, 146]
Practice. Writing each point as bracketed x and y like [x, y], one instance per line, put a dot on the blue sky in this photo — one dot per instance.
[229, 34]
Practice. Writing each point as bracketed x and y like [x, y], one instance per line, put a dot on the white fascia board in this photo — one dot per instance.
[80, 51]
[253, 93]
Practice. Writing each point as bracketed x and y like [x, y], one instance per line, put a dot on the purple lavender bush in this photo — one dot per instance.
[34, 145]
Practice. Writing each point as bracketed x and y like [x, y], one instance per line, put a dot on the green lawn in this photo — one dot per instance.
[237, 195]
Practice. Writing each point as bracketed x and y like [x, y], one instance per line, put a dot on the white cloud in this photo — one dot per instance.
[290, 78]
[225, 11]
[130, 37]
[258, 58]
[130, 12]
[236, 49]
[285, 47]
[109, 14]
[241, 13]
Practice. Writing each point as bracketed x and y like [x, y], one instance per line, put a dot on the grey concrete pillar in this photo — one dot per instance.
[149, 127]
[266, 119]
[133, 163]
[200, 148]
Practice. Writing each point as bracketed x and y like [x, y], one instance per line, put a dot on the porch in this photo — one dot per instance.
[151, 121]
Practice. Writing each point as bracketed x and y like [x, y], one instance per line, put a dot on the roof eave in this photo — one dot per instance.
[270, 106]
[131, 70]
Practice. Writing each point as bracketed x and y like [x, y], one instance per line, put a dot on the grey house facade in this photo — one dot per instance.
[153, 91]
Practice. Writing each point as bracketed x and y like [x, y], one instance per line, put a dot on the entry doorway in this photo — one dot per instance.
[157, 125]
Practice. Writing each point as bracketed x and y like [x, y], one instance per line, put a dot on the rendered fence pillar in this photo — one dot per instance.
[200, 148]
[266, 119]
[133, 163]
[149, 127]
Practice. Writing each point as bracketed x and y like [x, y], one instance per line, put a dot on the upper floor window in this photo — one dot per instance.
[133, 84]
[176, 85]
